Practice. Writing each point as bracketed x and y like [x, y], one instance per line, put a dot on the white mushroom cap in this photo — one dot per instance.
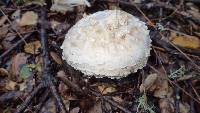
[108, 43]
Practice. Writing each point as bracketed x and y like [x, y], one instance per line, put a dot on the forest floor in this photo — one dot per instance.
[35, 79]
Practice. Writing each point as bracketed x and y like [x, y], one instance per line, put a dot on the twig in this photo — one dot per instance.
[14, 47]
[166, 40]
[29, 99]
[11, 95]
[11, 24]
[111, 102]
[47, 76]
[192, 109]
[160, 73]
[74, 87]
[42, 101]
[87, 91]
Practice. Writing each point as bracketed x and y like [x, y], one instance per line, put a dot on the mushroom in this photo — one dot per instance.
[109, 43]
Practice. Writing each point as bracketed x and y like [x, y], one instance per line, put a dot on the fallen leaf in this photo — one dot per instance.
[56, 58]
[28, 18]
[194, 10]
[37, 67]
[22, 86]
[63, 6]
[17, 62]
[86, 103]
[166, 106]
[49, 107]
[61, 28]
[184, 107]
[32, 47]
[75, 110]
[106, 88]
[4, 31]
[186, 41]
[27, 85]
[162, 88]
[36, 2]
[7, 42]
[3, 72]
[96, 108]
[25, 71]
[3, 20]
[117, 99]
[187, 77]
[148, 82]
[136, 1]
[11, 85]
[197, 33]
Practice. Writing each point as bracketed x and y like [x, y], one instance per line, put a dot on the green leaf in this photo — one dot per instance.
[25, 71]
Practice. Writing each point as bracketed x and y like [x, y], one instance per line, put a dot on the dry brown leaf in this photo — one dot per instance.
[63, 6]
[1, 47]
[35, 2]
[4, 30]
[3, 72]
[186, 41]
[197, 33]
[117, 99]
[184, 107]
[187, 77]
[17, 61]
[7, 42]
[75, 110]
[148, 82]
[49, 107]
[29, 18]
[194, 13]
[106, 88]
[32, 47]
[166, 105]
[56, 58]
[3, 20]
[162, 88]
[11, 85]
[96, 108]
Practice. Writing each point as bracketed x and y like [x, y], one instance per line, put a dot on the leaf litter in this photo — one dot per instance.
[155, 91]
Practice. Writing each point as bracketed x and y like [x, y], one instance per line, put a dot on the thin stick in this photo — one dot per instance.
[14, 46]
[87, 91]
[25, 104]
[11, 24]
[158, 72]
[47, 76]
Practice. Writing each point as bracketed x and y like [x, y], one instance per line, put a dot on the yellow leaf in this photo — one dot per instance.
[186, 41]
[3, 72]
[106, 88]
[32, 47]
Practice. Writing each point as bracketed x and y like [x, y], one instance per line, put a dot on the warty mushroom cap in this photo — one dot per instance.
[109, 43]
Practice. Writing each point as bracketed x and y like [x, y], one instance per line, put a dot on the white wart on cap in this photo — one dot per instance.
[110, 43]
